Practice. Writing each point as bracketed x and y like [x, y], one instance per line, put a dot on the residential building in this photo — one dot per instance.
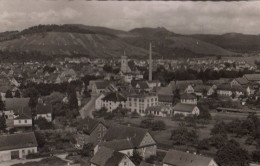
[160, 110]
[95, 129]
[179, 158]
[15, 146]
[188, 98]
[44, 111]
[186, 109]
[110, 157]
[113, 100]
[140, 138]
[139, 102]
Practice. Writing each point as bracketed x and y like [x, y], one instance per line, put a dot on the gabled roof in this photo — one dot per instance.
[242, 80]
[179, 158]
[118, 145]
[119, 132]
[188, 96]
[16, 104]
[195, 82]
[24, 113]
[17, 141]
[184, 107]
[114, 96]
[165, 98]
[201, 88]
[88, 125]
[102, 84]
[107, 157]
[252, 77]
[143, 85]
[43, 108]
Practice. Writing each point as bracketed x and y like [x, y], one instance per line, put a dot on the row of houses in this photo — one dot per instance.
[116, 148]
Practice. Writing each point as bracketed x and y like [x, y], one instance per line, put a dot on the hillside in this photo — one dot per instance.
[170, 44]
[236, 42]
[65, 43]
[91, 41]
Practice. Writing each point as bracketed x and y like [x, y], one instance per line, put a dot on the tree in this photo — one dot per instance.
[9, 94]
[219, 129]
[2, 105]
[43, 124]
[153, 124]
[256, 156]
[41, 140]
[204, 144]
[17, 94]
[87, 150]
[72, 97]
[136, 158]
[182, 136]
[204, 113]
[232, 154]
[2, 123]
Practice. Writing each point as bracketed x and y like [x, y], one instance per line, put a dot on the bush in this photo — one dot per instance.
[153, 124]
[204, 144]
[177, 116]
[43, 124]
[37, 155]
[256, 156]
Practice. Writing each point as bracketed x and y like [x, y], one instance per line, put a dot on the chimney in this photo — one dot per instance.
[150, 63]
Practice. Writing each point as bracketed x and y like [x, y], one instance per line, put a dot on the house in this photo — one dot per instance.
[186, 109]
[95, 129]
[203, 90]
[139, 102]
[15, 146]
[252, 77]
[124, 146]
[99, 86]
[110, 157]
[154, 84]
[141, 86]
[179, 158]
[140, 138]
[160, 110]
[23, 118]
[227, 90]
[165, 95]
[44, 111]
[113, 100]
[239, 81]
[188, 98]
[15, 105]
[98, 101]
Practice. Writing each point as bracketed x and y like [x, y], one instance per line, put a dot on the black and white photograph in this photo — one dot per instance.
[129, 83]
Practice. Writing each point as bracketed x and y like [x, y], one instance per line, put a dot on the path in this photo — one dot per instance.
[86, 110]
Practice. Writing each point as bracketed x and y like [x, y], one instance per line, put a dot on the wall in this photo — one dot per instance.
[6, 155]
[23, 122]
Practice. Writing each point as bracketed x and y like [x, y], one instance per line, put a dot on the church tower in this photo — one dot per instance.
[124, 64]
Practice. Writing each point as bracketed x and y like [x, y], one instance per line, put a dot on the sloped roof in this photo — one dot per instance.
[252, 77]
[24, 113]
[145, 164]
[114, 96]
[157, 108]
[180, 82]
[201, 88]
[43, 108]
[107, 157]
[16, 104]
[165, 98]
[168, 90]
[102, 84]
[188, 96]
[179, 158]
[184, 107]
[88, 125]
[17, 141]
[119, 132]
[242, 80]
[143, 85]
[117, 145]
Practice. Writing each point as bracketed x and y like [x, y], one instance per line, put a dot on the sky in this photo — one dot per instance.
[180, 17]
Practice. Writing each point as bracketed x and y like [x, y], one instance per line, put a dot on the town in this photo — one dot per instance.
[130, 112]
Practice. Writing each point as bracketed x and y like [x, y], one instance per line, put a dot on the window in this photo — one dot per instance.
[32, 150]
[25, 121]
[125, 163]
[19, 121]
[99, 135]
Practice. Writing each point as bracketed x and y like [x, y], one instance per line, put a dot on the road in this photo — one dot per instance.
[86, 110]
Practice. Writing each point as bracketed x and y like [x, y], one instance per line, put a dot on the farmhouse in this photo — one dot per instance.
[179, 158]
[16, 146]
[95, 129]
[188, 98]
[44, 111]
[109, 157]
[140, 138]
[186, 109]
